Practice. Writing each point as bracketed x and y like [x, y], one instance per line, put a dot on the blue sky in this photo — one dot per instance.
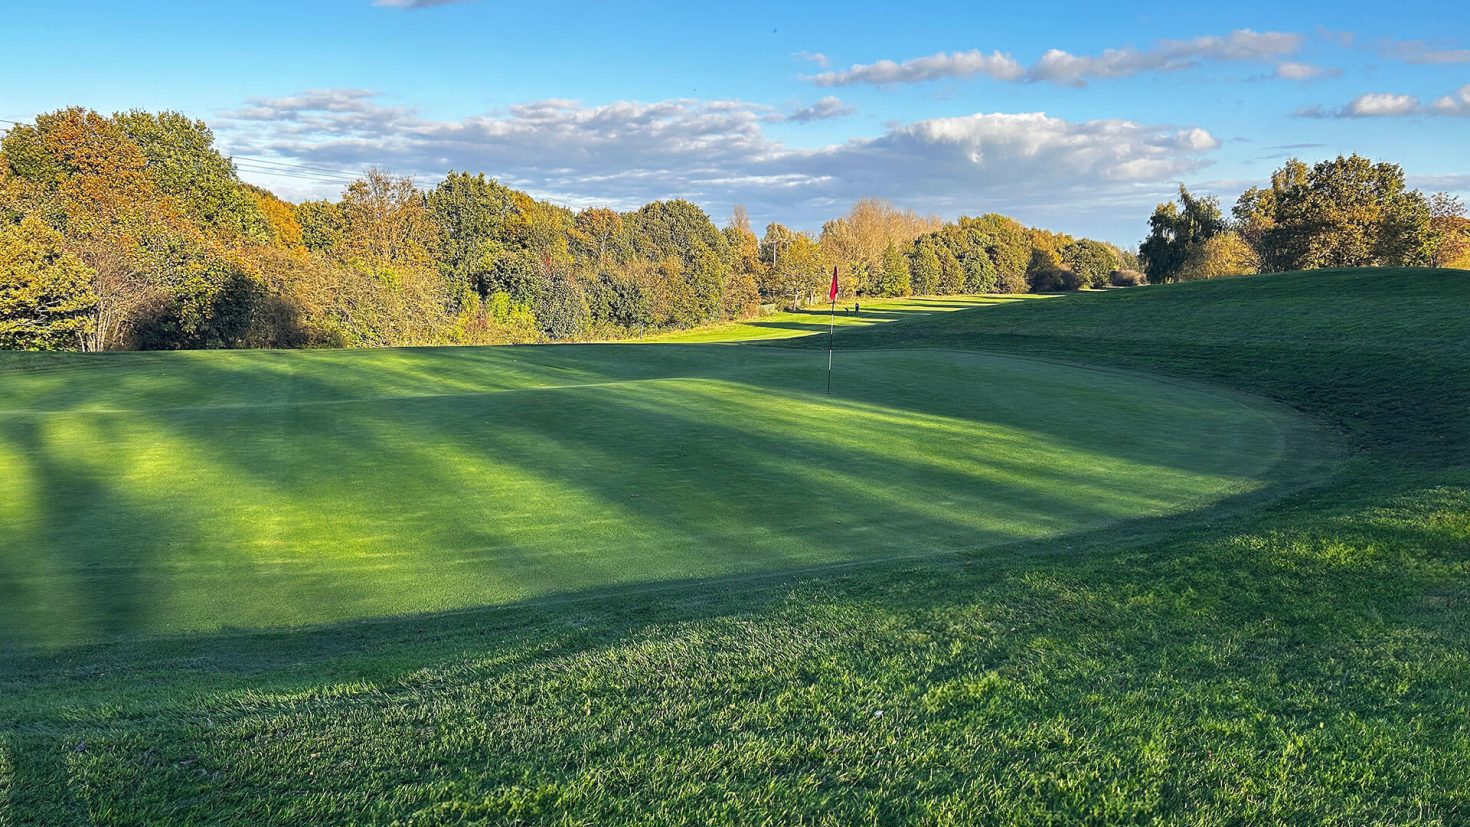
[1075, 116]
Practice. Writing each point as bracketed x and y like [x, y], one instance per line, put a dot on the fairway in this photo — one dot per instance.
[789, 324]
[163, 493]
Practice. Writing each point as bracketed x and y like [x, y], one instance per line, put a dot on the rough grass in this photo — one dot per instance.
[1304, 659]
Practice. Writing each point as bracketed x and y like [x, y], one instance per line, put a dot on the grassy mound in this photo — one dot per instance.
[1301, 658]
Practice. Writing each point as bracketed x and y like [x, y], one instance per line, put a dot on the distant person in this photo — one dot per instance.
[857, 307]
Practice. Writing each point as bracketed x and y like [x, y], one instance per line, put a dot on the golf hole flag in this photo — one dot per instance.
[831, 327]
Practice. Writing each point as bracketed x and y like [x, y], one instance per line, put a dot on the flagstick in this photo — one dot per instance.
[831, 326]
[831, 332]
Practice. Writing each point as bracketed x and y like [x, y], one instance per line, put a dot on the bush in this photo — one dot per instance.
[1126, 278]
[1045, 274]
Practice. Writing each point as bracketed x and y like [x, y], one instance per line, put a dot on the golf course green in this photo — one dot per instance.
[1189, 554]
[172, 492]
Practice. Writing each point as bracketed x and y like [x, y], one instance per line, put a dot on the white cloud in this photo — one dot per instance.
[1304, 71]
[1381, 104]
[1455, 103]
[813, 57]
[823, 110]
[1394, 105]
[716, 153]
[1066, 69]
[942, 65]
[1420, 52]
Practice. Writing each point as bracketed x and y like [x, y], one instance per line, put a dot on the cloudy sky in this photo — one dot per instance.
[1073, 115]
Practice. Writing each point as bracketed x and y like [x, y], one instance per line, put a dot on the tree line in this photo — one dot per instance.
[134, 231]
[1344, 212]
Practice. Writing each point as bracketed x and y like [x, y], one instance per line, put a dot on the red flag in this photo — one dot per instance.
[832, 294]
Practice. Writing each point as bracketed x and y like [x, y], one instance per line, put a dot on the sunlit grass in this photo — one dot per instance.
[849, 314]
[1299, 654]
[397, 482]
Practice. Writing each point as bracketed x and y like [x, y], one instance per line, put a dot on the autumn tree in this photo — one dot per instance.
[856, 241]
[1449, 232]
[1345, 212]
[794, 266]
[1223, 254]
[742, 292]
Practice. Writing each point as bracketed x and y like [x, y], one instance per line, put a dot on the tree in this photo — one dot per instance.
[1449, 232]
[1046, 273]
[46, 298]
[471, 213]
[895, 279]
[924, 266]
[857, 240]
[794, 266]
[951, 273]
[1223, 254]
[321, 226]
[1009, 247]
[742, 291]
[183, 163]
[1176, 233]
[561, 309]
[1092, 261]
[386, 223]
[739, 219]
[1346, 212]
[597, 236]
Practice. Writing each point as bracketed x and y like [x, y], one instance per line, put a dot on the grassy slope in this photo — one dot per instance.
[334, 485]
[788, 324]
[1303, 662]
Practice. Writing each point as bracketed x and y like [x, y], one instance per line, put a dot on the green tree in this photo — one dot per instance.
[46, 298]
[1092, 261]
[896, 279]
[321, 226]
[1009, 246]
[471, 213]
[1175, 233]
[184, 164]
[924, 266]
[951, 273]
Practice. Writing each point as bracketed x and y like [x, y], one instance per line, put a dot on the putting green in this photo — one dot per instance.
[163, 493]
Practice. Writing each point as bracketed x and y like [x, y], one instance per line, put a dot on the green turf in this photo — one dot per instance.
[786, 324]
[1289, 656]
[162, 493]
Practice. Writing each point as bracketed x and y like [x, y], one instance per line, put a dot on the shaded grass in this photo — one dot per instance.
[148, 495]
[1298, 660]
